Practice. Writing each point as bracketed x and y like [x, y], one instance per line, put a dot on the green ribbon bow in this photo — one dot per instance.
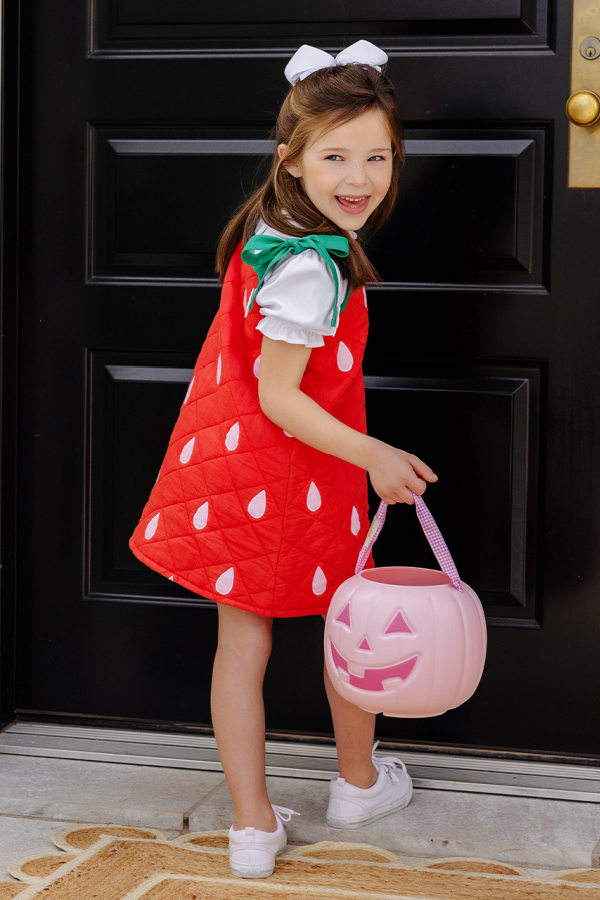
[263, 251]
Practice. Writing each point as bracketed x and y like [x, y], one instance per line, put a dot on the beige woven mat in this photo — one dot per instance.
[110, 862]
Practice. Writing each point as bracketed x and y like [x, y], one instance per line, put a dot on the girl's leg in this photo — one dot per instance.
[354, 731]
[238, 712]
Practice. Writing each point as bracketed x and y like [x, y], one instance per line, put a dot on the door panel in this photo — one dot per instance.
[177, 27]
[470, 212]
[142, 127]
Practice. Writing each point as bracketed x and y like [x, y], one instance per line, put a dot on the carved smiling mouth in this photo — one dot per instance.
[372, 679]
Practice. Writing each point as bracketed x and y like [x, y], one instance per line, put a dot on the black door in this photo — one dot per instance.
[140, 128]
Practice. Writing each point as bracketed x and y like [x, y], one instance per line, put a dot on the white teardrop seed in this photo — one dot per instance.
[201, 516]
[313, 497]
[224, 582]
[152, 526]
[189, 390]
[319, 584]
[345, 360]
[257, 505]
[186, 453]
[233, 437]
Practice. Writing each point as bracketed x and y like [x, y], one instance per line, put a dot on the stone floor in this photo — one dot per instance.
[39, 796]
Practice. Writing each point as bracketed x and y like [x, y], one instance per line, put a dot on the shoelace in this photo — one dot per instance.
[284, 813]
[389, 763]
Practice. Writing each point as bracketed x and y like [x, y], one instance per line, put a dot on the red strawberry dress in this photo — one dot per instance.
[242, 512]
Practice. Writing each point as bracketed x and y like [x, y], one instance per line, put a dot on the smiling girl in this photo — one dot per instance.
[261, 502]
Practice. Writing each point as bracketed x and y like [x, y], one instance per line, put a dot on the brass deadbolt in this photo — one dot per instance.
[590, 48]
[583, 108]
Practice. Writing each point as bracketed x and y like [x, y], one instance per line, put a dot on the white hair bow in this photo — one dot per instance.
[309, 59]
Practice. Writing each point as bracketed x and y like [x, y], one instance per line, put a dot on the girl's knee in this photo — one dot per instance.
[245, 634]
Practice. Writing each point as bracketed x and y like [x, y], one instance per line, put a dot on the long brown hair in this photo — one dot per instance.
[317, 104]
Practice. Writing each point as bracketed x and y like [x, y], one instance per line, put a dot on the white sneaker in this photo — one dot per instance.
[252, 852]
[351, 806]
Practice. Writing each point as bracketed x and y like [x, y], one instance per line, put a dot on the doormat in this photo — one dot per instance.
[112, 862]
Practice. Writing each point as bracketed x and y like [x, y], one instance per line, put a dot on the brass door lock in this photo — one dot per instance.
[590, 48]
[583, 106]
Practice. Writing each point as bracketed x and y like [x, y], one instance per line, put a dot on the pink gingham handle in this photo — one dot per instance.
[372, 535]
[431, 531]
[436, 541]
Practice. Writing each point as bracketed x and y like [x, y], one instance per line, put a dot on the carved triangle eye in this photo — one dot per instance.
[344, 616]
[398, 625]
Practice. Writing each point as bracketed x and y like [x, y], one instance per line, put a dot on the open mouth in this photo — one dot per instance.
[372, 679]
[353, 205]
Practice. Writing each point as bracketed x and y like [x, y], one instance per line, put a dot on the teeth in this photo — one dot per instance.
[353, 199]
[355, 669]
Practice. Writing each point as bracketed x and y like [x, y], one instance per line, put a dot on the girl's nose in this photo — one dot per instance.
[357, 176]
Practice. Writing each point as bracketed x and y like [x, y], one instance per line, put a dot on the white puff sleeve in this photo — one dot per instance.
[297, 300]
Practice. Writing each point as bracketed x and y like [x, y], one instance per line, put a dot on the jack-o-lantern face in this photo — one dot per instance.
[361, 648]
[404, 641]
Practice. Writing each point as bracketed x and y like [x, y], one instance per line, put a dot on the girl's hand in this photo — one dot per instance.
[395, 473]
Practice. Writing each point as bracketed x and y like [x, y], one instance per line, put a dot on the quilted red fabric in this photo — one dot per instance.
[243, 513]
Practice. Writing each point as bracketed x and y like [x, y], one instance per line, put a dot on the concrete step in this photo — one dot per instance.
[532, 832]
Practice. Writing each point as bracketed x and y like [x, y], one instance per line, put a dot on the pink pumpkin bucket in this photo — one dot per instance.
[405, 641]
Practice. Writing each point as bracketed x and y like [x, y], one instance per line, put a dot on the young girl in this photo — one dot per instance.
[261, 501]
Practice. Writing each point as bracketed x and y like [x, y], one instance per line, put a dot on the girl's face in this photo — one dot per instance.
[347, 171]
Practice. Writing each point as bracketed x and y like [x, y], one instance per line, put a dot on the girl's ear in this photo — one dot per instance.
[293, 168]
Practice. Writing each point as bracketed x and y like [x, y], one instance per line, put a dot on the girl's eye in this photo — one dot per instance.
[336, 156]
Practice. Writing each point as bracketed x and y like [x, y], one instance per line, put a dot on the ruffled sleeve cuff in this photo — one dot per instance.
[278, 330]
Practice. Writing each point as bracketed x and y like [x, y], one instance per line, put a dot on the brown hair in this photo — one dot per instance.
[320, 102]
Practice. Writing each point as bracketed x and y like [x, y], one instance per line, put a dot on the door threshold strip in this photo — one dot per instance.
[433, 771]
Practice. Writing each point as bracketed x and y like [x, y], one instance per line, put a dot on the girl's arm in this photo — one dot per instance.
[393, 472]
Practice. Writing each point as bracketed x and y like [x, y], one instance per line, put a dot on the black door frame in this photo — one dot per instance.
[9, 306]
